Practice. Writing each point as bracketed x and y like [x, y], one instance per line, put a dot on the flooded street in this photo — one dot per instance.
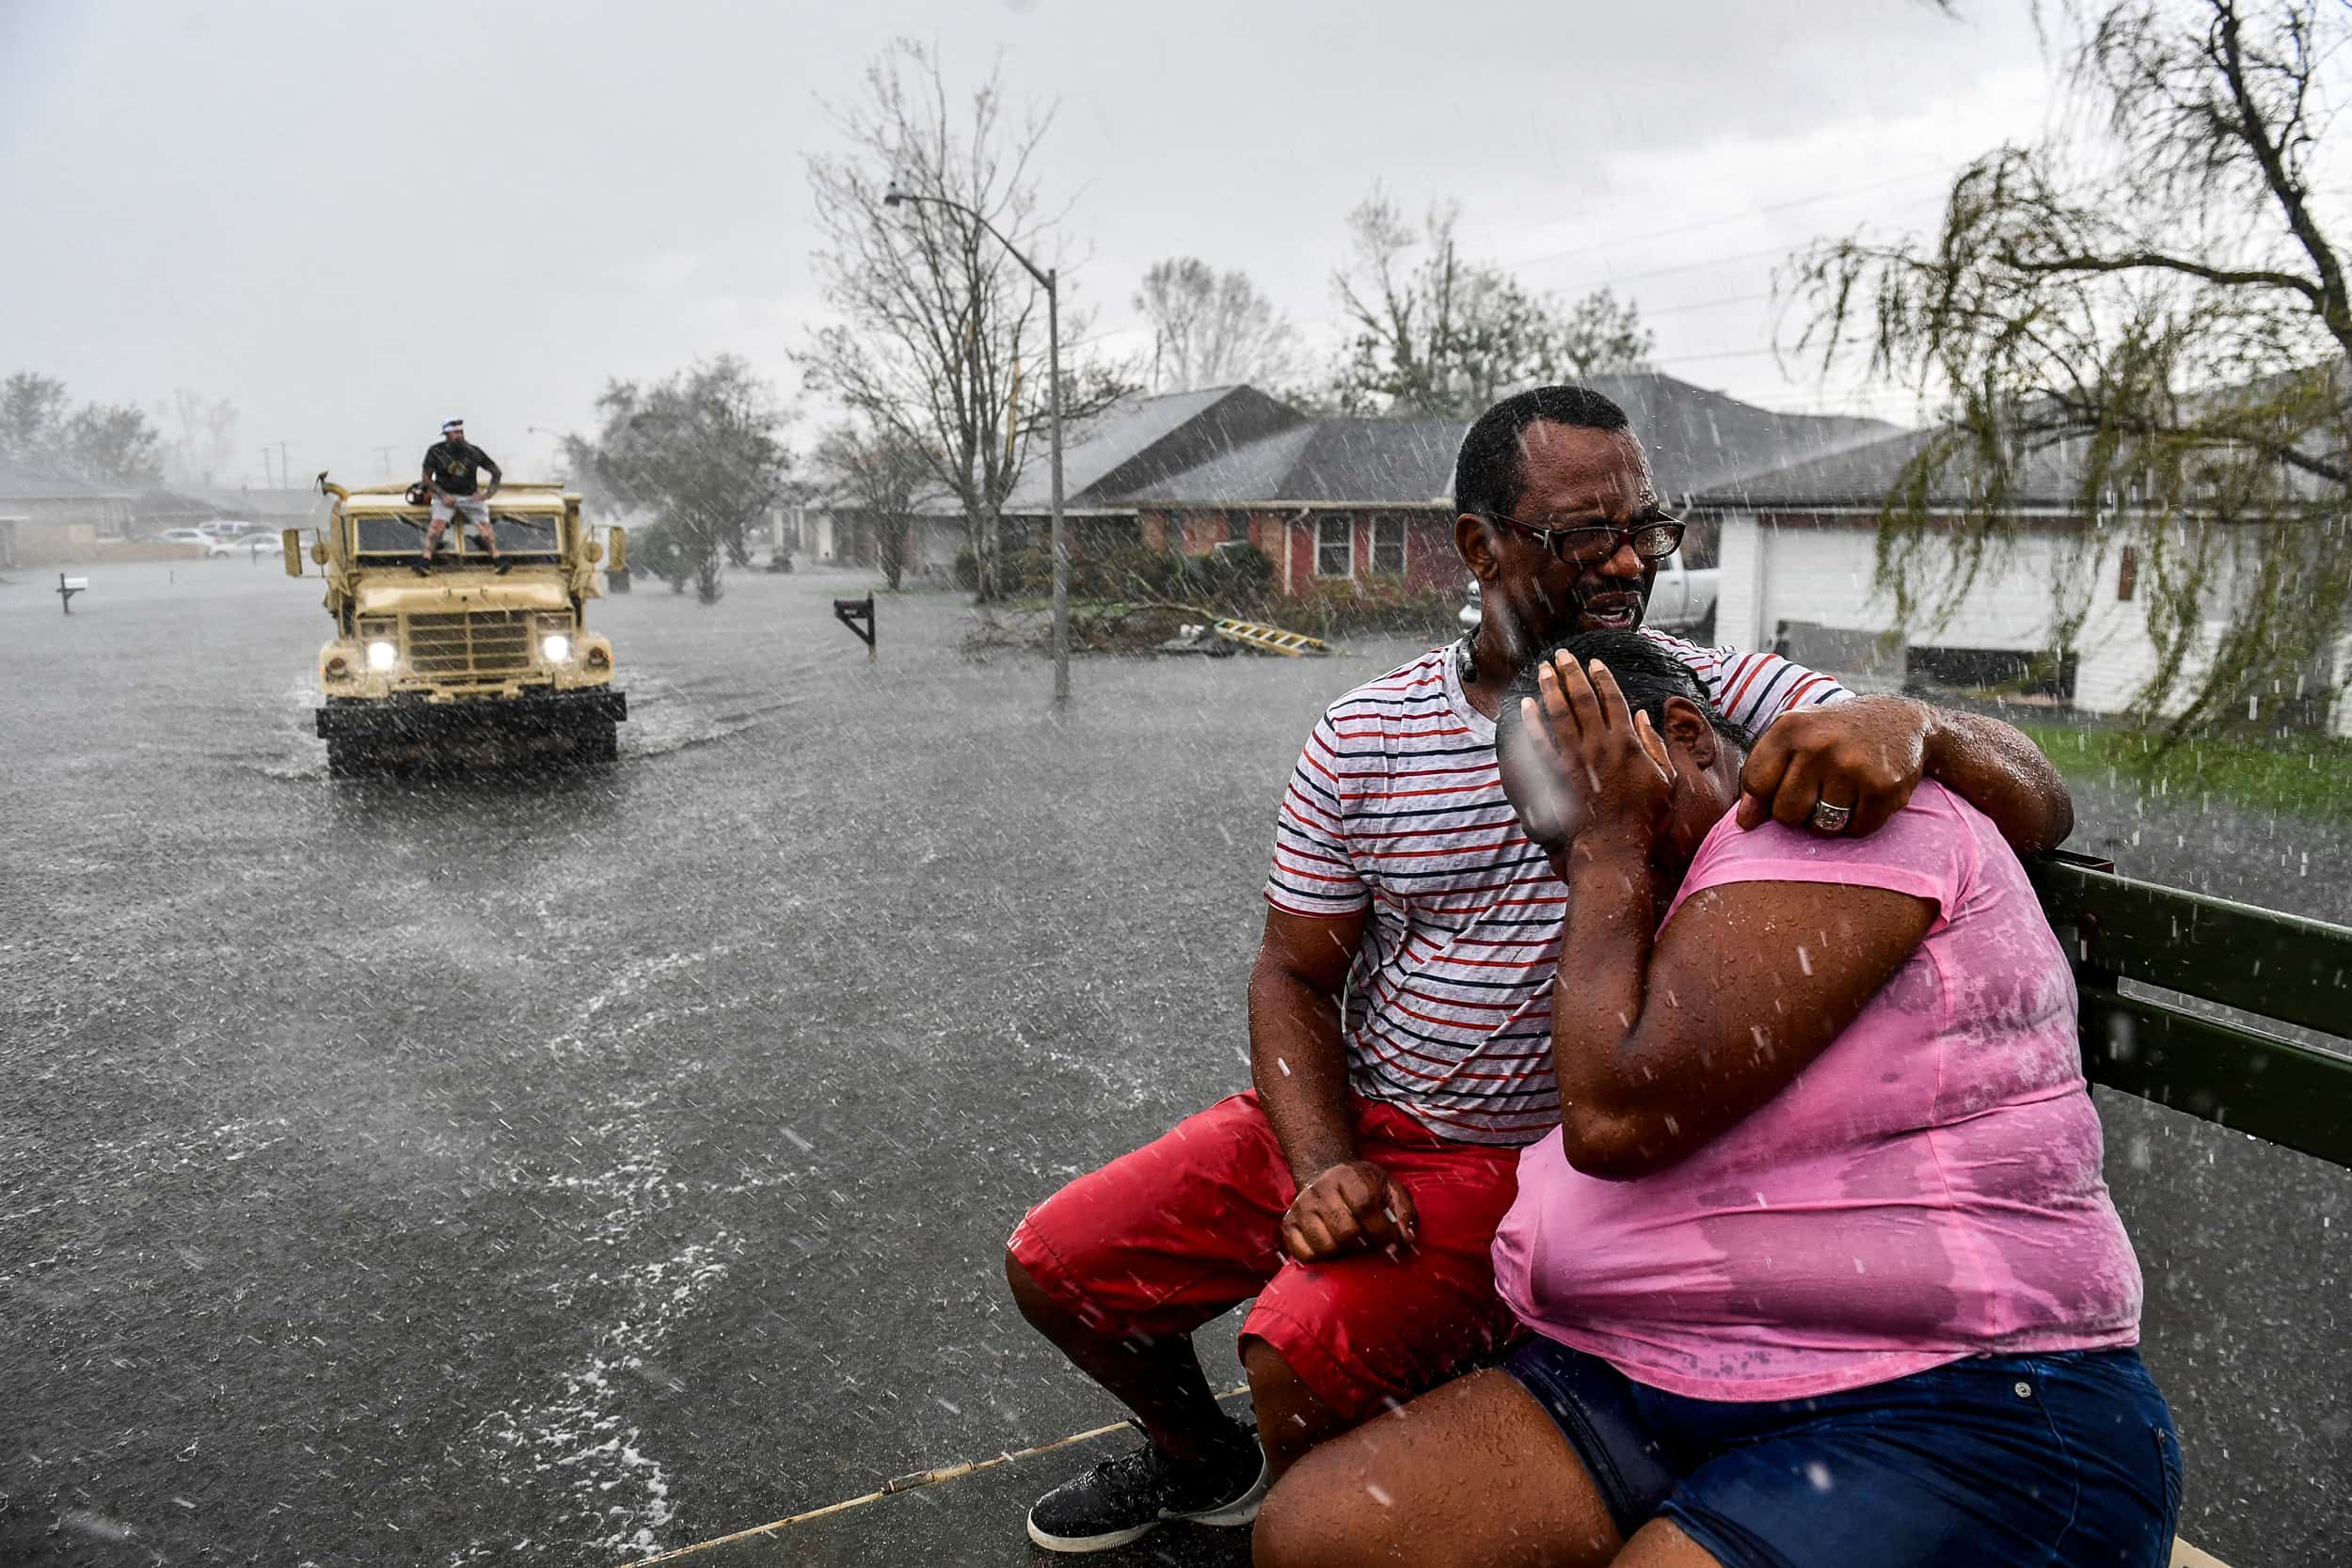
[561, 1169]
[550, 1171]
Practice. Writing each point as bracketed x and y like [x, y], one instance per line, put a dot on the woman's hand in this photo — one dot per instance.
[1615, 773]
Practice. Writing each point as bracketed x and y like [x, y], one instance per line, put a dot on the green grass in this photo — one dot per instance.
[2307, 776]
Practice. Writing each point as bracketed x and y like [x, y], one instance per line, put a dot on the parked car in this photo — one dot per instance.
[227, 529]
[1682, 600]
[258, 542]
[209, 548]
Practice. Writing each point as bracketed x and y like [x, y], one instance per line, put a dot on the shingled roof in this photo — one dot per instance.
[1139, 440]
[1235, 446]
[1862, 476]
[1335, 461]
[26, 484]
[1696, 439]
[1700, 439]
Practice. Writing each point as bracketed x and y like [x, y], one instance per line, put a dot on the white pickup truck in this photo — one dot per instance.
[1681, 600]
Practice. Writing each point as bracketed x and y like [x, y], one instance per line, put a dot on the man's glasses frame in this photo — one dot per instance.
[1657, 535]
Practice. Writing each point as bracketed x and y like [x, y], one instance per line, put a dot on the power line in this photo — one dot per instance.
[1699, 224]
[1648, 314]
[1721, 354]
[1783, 248]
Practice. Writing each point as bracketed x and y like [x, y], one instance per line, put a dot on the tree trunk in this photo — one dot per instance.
[980, 530]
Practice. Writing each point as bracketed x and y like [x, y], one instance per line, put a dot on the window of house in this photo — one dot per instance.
[1702, 543]
[1387, 546]
[1335, 546]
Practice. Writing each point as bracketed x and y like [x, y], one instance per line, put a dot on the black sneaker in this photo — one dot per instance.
[422, 568]
[505, 566]
[1126, 1498]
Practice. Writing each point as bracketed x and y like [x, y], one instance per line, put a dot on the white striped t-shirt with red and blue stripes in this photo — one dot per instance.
[1396, 806]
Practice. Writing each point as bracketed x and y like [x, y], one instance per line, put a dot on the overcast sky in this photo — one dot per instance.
[355, 219]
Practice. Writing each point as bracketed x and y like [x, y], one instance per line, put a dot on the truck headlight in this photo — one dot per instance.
[555, 649]
[382, 656]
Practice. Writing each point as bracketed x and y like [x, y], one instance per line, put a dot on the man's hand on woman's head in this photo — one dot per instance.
[1866, 756]
[1353, 1206]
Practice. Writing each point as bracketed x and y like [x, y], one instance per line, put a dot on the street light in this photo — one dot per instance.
[1045, 278]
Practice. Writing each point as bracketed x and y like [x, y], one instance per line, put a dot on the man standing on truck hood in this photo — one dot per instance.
[452, 466]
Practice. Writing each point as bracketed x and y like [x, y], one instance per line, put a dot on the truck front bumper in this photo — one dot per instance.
[532, 713]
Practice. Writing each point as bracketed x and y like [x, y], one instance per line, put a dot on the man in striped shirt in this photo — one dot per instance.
[1400, 1007]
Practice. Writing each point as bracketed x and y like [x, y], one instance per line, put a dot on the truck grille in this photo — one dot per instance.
[492, 643]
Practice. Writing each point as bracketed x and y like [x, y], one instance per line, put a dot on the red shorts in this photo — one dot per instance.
[1160, 1240]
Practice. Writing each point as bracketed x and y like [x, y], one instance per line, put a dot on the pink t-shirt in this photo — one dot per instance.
[1927, 1188]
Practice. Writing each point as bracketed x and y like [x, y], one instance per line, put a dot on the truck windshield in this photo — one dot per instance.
[401, 533]
[533, 534]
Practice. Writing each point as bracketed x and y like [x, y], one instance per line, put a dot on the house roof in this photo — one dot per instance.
[1235, 446]
[1143, 439]
[1699, 439]
[160, 502]
[1695, 439]
[25, 485]
[303, 502]
[1389, 462]
[1862, 476]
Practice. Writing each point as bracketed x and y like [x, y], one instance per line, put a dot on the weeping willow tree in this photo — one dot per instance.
[2151, 302]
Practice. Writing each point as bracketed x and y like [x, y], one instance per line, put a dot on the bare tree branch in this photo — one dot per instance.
[1449, 337]
[941, 333]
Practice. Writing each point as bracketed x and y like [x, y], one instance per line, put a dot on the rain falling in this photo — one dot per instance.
[1026, 782]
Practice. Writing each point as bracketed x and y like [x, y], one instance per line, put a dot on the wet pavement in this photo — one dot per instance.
[558, 1171]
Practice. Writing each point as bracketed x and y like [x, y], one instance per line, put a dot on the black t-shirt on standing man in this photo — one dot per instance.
[449, 467]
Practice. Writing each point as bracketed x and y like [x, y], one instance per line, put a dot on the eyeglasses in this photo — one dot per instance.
[1654, 538]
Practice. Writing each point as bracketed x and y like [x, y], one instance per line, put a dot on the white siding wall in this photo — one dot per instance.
[1738, 582]
[2118, 657]
[1828, 576]
[1825, 575]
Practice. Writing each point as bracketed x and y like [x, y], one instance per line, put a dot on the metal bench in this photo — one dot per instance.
[2155, 965]
[2194, 1003]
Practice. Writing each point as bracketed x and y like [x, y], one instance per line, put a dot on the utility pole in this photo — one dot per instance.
[266, 483]
[384, 462]
[284, 479]
[1047, 279]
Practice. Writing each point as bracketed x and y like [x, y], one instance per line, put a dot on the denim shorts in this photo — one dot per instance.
[2063, 1460]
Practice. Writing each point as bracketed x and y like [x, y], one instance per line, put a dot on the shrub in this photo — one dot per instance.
[1378, 603]
[656, 550]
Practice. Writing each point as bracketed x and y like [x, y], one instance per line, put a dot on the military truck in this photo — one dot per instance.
[463, 663]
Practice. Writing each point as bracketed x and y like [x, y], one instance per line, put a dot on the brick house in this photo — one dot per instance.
[1135, 441]
[1368, 502]
[1338, 504]
[60, 521]
[1334, 503]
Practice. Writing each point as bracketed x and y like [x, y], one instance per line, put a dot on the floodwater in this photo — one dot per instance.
[551, 1171]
